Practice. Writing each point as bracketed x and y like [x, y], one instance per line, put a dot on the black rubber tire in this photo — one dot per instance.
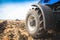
[42, 24]
[35, 32]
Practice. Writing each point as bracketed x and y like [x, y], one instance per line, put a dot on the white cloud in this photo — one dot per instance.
[15, 11]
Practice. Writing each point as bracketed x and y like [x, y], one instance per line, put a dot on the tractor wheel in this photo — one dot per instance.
[38, 21]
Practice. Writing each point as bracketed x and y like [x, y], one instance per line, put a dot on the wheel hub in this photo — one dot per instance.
[31, 23]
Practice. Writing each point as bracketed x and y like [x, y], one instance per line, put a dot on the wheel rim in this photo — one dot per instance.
[31, 23]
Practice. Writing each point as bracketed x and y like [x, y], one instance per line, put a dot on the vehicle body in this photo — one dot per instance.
[50, 2]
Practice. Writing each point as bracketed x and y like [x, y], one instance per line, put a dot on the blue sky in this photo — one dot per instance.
[17, 0]
[15, 9]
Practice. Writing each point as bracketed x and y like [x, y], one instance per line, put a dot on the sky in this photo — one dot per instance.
[15, 9]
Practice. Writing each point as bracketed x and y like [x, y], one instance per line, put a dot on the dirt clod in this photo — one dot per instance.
[13, 30]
